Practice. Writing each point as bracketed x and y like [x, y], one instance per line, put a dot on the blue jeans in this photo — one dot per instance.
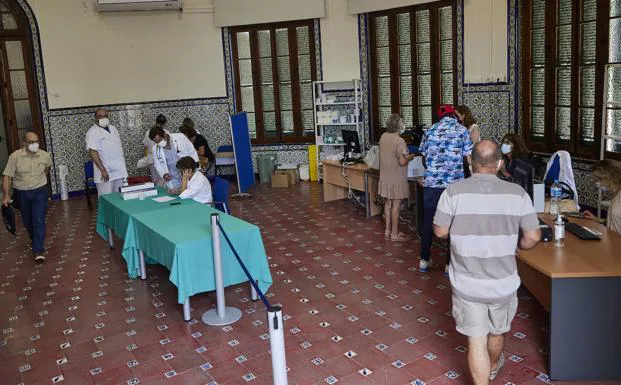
[33, 205]
[431, 196]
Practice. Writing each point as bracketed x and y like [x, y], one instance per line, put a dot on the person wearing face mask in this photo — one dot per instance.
[393, 182]
[607, 176]
[26, 170]
[103, 144]
[446, 147]
[148, 144]
[512, 147]
[167, 151]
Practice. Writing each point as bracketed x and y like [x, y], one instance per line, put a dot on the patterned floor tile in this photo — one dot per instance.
[342, 286]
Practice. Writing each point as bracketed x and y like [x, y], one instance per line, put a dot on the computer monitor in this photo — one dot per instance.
[524, 175]
[352, 143]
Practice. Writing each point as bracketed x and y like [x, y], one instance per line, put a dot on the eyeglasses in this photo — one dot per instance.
[32, 141]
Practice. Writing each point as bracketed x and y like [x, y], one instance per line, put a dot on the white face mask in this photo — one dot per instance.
[103, 122]
[162, 143]
[506, 148]
[33, 147]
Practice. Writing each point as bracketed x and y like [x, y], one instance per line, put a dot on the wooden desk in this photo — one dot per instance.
[335, 185]
[580, 284]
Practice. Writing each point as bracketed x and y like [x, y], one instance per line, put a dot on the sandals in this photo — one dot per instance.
[401, 237]
[387, 235]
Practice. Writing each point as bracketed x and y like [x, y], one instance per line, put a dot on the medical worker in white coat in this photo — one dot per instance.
[168, 149]
[103, 143]
[148, 144]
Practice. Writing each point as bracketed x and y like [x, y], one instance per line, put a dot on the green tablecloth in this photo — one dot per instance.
[179, 237]
[115, 213]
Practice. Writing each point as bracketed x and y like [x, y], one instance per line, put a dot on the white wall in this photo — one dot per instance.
[485, 41]
[243, 12]
[339, 43]
[127, 57]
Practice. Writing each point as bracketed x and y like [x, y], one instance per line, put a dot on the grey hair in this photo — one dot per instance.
[394, 123]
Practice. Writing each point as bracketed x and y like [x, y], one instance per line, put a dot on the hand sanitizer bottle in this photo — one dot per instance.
[559, 231]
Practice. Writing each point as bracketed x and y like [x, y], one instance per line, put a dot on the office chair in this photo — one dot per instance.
[89, 181]
[561, 170]
[220, 192]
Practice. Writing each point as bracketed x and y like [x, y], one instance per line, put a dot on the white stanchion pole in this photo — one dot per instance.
[222, 315]
[277, 345]
[143, 266]
[110, 239]
[187, 313]
[253, 293]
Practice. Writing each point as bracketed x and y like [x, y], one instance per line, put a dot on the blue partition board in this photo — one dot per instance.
[242, 150]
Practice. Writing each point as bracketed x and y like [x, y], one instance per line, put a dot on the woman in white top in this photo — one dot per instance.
[194, 185]
[467, 120]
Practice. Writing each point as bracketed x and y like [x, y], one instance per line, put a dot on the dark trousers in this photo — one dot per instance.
[431, 196]
[33, 205]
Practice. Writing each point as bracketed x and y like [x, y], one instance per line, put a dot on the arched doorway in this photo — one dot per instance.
[19, 108]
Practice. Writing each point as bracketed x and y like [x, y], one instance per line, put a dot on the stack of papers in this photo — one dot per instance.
[164, 199]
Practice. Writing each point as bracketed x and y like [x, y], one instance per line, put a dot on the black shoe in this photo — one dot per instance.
[40, 258]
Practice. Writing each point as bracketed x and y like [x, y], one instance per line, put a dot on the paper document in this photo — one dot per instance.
[164, 199]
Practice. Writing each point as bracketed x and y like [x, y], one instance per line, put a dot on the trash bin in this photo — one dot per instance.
[304, 172]
[266, 165]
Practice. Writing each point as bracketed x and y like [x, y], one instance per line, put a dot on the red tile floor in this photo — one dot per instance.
[357, 311]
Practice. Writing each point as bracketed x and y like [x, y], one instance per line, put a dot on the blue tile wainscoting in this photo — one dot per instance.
[495, 105]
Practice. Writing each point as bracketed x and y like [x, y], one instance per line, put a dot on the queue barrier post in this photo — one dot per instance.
[221, 315]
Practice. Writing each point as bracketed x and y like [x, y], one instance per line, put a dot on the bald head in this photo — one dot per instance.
[485, 157]
[31, 137]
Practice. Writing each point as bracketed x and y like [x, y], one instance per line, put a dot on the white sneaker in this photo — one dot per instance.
[446, 270]
[424, 266]
[501, 363]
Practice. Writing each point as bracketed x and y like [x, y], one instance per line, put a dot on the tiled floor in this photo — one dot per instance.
[359, 312]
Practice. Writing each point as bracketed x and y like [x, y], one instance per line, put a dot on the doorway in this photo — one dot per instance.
[19, 99]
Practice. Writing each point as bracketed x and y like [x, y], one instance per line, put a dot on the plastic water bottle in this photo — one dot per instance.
[559, 231]
[555, 198]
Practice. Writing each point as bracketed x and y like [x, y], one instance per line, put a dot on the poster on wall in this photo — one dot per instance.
[243, 153]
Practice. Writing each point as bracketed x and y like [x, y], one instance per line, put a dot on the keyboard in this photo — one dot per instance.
[581, 232]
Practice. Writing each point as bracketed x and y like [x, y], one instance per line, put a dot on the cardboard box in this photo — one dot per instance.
[293, 176]
[280, 179]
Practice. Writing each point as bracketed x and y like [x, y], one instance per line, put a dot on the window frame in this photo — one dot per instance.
[395, 74]
[280, 137]
[550, 141]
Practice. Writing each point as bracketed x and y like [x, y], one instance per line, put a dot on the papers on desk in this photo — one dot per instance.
[164, 199]
[415, 167]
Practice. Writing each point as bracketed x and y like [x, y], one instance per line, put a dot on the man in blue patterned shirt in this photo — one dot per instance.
[444, 147]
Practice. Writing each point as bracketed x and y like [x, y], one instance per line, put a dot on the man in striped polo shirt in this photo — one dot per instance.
[484, 216]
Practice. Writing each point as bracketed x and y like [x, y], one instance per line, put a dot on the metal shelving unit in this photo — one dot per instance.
[605, 138]
[343, 97]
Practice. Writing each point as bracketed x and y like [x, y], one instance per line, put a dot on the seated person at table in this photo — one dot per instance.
[607, 176]
[194, 185]
[512, 147]
[205, 155]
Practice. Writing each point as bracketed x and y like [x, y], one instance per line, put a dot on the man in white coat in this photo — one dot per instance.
[168, 149]
[103, 143]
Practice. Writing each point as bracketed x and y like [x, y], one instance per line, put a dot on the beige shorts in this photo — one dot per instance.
[480, 319]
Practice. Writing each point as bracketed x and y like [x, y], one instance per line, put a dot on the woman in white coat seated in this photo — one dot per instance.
[194, 184]
[167, 151]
